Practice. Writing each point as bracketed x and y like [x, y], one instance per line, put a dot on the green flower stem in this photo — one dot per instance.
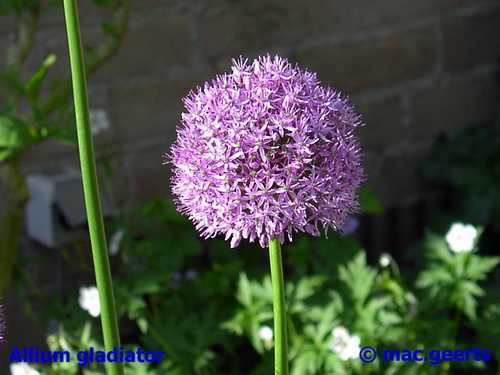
[16, 194]
[279, 309]
[453, 338]
[90, 187]
[164, 345]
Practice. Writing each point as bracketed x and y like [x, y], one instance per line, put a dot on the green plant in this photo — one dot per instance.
[468, 165]
[33, 110]
[209, 307]
[378, 309]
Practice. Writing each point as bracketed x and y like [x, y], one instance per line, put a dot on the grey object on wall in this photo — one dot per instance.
[55, 214]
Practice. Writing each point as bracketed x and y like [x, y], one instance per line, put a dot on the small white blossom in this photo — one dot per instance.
[22, 368]
[89, 300]
[345, 345]
[266, 333]
[461, 237]
[385, 260]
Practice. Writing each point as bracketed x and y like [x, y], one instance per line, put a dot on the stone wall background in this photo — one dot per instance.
[414, 69]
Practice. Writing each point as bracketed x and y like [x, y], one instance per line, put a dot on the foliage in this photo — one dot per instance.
[469, 166]
[452, 278]
[35, 106]
[38, 106]
[205, 305]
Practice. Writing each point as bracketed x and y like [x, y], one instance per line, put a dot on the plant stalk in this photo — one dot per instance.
[453, 338]
[16, 195]
[279, 309]
[90, 187]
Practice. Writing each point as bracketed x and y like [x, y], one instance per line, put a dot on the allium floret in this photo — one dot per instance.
[266, 151]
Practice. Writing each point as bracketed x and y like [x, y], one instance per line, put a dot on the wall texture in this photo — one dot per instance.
[414, 69]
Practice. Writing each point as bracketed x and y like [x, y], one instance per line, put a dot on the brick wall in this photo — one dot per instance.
[414, 69]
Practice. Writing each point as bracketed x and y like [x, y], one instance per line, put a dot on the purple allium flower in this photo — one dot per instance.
[265, 151]
[351, 223]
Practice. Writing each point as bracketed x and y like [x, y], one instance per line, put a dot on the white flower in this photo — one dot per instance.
[385, 260]
[22, 368]
[266, 333]
[345, 345]
[89, 300]
[461, 237]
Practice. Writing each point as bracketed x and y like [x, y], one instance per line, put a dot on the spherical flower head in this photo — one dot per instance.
[461, 237]
[266, 151]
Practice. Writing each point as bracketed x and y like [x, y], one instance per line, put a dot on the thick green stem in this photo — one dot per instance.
[15, 195]
[90, 187]
[279, 309]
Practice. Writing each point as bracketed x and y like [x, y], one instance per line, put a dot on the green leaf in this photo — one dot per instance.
[469, 306]
[142, 323]
[14, 133]
[297, 294]
[8, 6]
[5, 153]
[263, 291]
[358, 277]
[137, 367]
[470, 287]
[244, 295]
[328, 319]
[67, 133]
[108, 28]
[86, 333]
[438, 248]
[389, 318]
[306, 363]
[92, 372]
[306, 287]
[12, 80]
[35, 83]
[478, 267]
[434, 278]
